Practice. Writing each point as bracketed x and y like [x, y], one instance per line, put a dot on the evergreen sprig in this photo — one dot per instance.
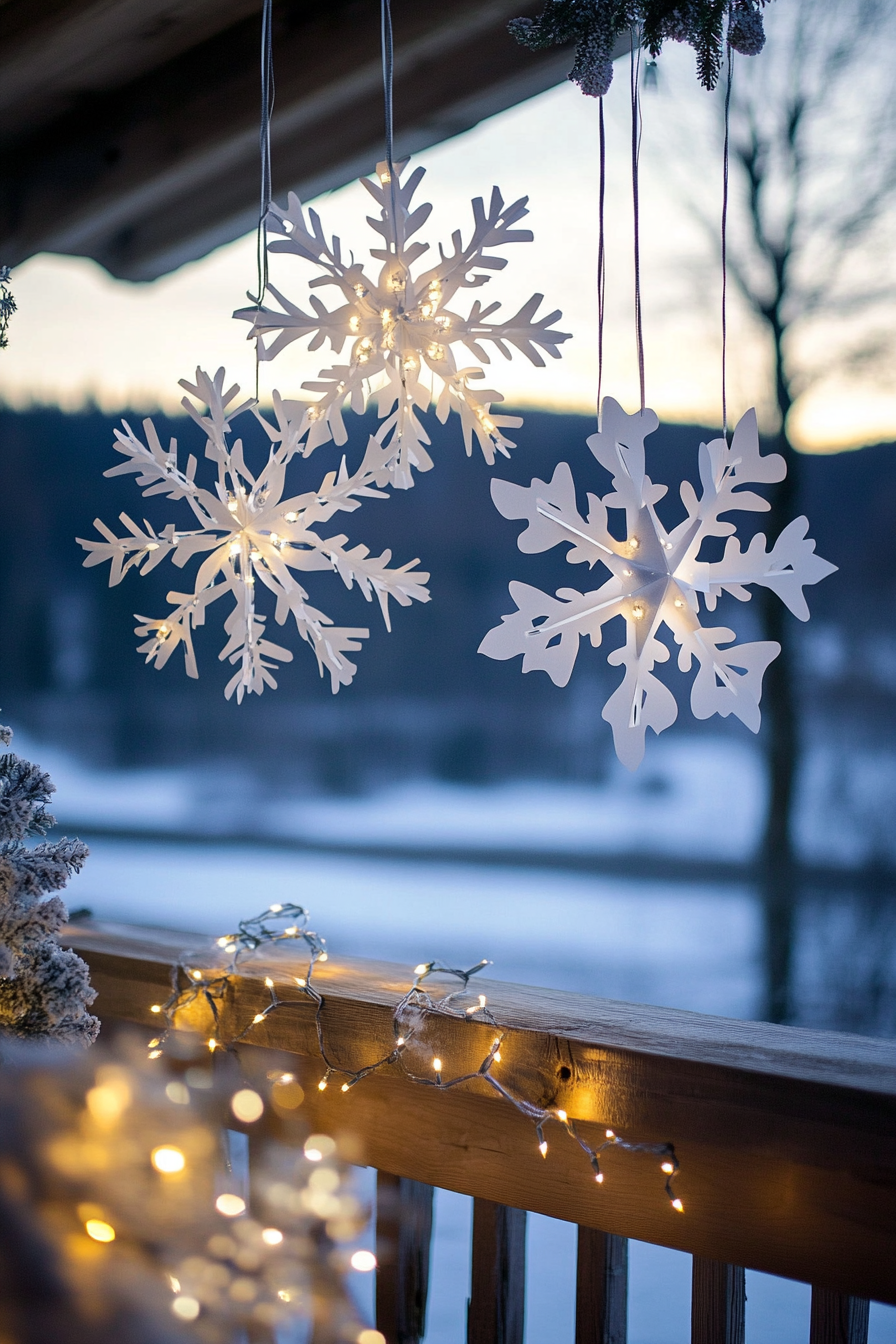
[7, 306]
[44, 988]
[597, 25]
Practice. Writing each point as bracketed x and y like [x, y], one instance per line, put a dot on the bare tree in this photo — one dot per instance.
[813, 189]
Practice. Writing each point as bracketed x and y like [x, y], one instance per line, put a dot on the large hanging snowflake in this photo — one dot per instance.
[401, 327]
[249, 531]
[655, 578]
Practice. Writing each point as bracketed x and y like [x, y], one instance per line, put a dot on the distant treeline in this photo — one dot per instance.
[68, 660]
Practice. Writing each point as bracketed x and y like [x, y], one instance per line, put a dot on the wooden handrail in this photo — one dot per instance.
[786, 1137]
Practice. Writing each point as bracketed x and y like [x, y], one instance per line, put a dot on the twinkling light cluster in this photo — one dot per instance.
[401, 330]
[133, 1177]
[252, 533]
[413, 1019]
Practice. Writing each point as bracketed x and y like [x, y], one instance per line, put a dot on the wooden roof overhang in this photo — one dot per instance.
[129, 128]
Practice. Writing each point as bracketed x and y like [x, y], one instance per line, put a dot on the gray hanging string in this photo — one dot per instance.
[388, 72]
[634, 75]
[725, 250]
[264, 141]
[601, 255]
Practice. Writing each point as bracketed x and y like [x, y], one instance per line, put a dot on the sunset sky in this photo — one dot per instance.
[80, 335]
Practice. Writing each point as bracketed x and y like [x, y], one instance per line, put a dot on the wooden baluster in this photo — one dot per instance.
[718, 1303]
[838, 1319]
[496, 1308]
[601, 1288]
[403, 1237]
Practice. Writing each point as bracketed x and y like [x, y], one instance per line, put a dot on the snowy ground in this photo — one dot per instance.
[695, 798]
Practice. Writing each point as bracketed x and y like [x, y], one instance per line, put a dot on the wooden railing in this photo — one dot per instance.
[786, 1138]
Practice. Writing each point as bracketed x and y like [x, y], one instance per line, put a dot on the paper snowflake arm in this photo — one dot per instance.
[249, 534]
[400, 329]
[655, 578]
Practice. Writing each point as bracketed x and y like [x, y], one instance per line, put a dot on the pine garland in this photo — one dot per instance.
[44, 989]
[7, 306]
[596, 26]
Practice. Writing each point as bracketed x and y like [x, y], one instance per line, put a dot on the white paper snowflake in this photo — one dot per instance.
[398, 326]
[655, 577]
[248, 531]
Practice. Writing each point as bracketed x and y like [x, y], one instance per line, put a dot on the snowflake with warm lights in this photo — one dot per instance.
[656, 577]
[248, 531]
[399, 326]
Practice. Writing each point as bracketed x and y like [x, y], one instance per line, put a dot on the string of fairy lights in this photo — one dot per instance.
[415, 1010]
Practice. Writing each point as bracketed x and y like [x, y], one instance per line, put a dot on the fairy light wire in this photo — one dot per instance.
[388, 54]
[635, 86]
[418, 1006]
[264, 145]
[725, 157]
[601, 251]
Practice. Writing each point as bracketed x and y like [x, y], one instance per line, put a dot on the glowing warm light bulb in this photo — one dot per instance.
[610, 1134]
[385, 177]
[269, 984]
[272, 1236]
[599, 1178]
[300, 981]
[155, 1007]
[437, 1065]
[400, 1041]
[543, 1148]
[561, 1115]
[222, 942]
[275, 909]
[634, 543]
[259, 1017]
[345, 1087]
[99, 1230]
[354, 323]
[324, 956]
[667, 1167]
[235, 547]
[168, 1159]
[212, 1044]
[155, 1054]
[677, 1204]
[322, 1085]
[497, 1056]
[364, 1261]
[197, 975]
[230, 1205]
[637, 611]
[232, 504]
[247, 1105]
[422, 968]
[185, 1308]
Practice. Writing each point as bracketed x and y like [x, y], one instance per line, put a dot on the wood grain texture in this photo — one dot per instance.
[601, 1288]
[497, 1306]
[718, 1302]
[838, 1319]
[403, 1241]
[788, 1161]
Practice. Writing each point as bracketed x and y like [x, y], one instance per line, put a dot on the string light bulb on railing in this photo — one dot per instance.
[415, 1010]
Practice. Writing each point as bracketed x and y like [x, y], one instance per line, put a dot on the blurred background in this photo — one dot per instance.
[444, 804]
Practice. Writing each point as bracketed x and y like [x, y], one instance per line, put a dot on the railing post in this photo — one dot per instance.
[403, 1237]
[601, 1288]
[838, 1319]
[718, 1303]
[496, 1308]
